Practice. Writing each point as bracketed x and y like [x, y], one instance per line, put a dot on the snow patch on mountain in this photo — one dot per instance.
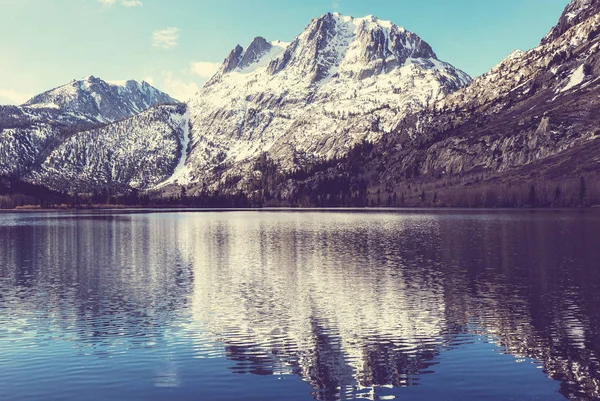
[180, 175]
[577, 77]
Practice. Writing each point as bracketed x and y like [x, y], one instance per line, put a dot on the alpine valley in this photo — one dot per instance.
[352, 112]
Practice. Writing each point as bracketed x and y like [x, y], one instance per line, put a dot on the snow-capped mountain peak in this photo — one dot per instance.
[258, 54]
[331, 44]
[355, 47]
[100, 100]
[28, 133]
[341, 80]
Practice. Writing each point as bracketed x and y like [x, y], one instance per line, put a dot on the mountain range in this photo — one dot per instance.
[354, 111]
[31, 134]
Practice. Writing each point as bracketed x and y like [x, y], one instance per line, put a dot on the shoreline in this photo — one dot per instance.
[184, 209]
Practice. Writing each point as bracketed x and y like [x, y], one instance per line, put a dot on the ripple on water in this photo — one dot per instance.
[354, 305]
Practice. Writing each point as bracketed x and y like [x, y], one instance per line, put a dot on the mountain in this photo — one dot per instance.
[100, 100]
[137, 153]
[576, 12]
[354, 111]
[342, 80]
[30, 132]
[522, 134]
[531, 107]
[339, 82]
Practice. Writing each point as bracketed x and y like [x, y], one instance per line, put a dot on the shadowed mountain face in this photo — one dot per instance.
[424, 306]
[531, 106]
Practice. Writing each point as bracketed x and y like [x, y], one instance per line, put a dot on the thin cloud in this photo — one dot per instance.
[166, 38]
[132, 3]
[204, 69]
[177, 88]
[184, 84]
[126, 3]
[8, 96]
[149, 79]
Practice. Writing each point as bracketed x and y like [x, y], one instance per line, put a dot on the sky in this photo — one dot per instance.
[176, 45]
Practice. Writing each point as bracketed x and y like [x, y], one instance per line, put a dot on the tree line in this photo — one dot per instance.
[340, 182]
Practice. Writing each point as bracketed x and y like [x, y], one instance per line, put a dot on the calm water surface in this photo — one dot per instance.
[300, 305]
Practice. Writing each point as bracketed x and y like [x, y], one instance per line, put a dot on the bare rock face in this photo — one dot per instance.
[257, 49]
[575, 13]
[233, 60]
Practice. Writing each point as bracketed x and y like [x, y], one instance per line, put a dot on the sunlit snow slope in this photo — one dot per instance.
[340, 81]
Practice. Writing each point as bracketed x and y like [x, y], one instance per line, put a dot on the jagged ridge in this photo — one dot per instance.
[100, 100]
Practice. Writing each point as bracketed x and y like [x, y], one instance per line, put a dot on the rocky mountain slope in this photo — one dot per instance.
[340, 81]
[533, 107]
[137, 153]
[30, 132]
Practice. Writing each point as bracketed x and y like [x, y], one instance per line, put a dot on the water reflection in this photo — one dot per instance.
[357, 305]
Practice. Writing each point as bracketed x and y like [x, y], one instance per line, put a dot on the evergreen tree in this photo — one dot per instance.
[582, 191]
[532, 196]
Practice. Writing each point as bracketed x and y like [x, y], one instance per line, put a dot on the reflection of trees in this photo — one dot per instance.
[102, 278]
[533, 284]
[383, 296]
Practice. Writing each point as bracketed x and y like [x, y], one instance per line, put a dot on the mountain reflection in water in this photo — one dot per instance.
[356, 304]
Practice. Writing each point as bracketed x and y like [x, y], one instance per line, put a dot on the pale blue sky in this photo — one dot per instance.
[47, 43]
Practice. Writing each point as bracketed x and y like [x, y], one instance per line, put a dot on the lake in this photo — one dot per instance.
[286, 305]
